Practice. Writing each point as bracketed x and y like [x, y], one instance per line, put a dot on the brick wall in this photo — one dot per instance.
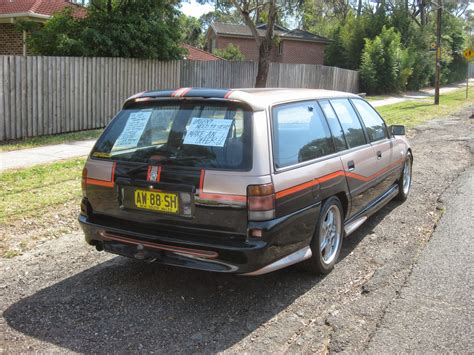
[292, 51]
[11, 40]
[302, 52]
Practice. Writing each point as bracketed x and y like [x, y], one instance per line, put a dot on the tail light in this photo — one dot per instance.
[84, 181]
[261, 202]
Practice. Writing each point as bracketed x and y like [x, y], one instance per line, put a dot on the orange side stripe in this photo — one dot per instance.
[328, 177]
[201, 181]
[103, 183]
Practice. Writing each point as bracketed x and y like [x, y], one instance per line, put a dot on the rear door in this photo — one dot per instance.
[359, 160]
[387, 170]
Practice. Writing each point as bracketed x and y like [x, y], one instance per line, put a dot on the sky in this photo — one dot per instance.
[195, 9]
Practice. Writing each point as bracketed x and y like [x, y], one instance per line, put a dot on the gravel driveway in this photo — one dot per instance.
[65, 296]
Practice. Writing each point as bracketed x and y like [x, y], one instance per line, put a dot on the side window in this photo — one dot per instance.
[350, 122]
[375, 126]
[334, 125]
[300, 133]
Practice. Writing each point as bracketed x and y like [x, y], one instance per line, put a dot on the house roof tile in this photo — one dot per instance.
[198, 54]
[40, 7]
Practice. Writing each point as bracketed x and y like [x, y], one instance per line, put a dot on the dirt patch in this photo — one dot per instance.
[65, 296]
[23, 234]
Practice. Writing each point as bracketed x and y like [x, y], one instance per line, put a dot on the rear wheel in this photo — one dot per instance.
[327, 239]
[404, 183]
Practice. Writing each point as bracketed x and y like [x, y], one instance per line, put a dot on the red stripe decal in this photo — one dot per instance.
[184, 92]
[222, 197]
[158, 174]
[201, 181]
[227, 95]
[195, 252]
[148, 173]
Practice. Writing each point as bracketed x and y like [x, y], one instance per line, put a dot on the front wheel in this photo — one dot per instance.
[404, 183]
[327, 240]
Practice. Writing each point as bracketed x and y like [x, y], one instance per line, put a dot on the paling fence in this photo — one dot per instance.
[471, 70]
[50, 95]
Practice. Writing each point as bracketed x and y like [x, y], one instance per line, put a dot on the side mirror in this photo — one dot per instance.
[397, 130]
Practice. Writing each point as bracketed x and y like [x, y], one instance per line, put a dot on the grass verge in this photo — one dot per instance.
[414, 112]
[38, 203]
[47, 140]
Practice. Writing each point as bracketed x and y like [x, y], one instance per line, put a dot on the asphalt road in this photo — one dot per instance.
[435, 310]
[65, 296]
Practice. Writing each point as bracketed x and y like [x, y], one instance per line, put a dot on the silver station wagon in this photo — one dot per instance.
[243, 181]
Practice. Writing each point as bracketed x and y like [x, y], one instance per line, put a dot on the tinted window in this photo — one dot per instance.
[195, 134]
[373, 123]
[334, 125]
[350, 122]
[300, 133]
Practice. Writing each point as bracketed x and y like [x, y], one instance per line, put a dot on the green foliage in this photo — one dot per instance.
[140, 29]
[358, 40]
[382, 63]
[231, 52]
[191, 31]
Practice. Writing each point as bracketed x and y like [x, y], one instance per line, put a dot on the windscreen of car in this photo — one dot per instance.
[193, 134]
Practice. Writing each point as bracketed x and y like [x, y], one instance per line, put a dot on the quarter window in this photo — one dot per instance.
[350, 122]
[375, 126]
[300, 133]
[334, 125]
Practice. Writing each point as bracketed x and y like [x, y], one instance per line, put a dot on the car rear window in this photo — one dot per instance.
[194, 134]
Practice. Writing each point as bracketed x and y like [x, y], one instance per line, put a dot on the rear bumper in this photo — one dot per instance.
[281, 245]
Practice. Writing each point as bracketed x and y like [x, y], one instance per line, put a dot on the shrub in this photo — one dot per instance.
[231, 52]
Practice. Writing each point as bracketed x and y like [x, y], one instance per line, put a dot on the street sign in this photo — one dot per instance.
[468, 54]
[433, 47]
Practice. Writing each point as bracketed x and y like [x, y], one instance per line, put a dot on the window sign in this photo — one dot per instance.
[207, 132]
[133, 130]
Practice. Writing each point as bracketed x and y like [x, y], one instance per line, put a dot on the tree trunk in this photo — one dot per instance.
[265, 48]
[359, 8]
[263, 65]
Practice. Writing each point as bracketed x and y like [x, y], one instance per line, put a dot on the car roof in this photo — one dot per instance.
[258, 99]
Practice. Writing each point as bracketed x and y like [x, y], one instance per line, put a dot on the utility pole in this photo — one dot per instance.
[438, 51]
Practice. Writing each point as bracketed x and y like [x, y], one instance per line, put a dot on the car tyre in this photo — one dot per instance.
[404, 182]
[327, 240]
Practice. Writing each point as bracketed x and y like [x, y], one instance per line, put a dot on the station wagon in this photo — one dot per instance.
[243, 181]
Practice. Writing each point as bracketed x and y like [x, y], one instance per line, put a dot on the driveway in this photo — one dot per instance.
[65, 296]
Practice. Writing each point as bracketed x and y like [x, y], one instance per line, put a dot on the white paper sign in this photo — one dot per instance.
[133, 130]
[207, 131]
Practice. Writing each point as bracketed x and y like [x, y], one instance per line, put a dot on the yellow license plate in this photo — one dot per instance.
[157, 201]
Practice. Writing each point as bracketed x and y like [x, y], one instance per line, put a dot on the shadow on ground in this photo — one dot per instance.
[125, 305]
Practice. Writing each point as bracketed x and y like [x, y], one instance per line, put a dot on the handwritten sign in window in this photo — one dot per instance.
[133, 130]
[207, 131]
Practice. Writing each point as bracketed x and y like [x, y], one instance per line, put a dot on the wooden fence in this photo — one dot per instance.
[50, 95]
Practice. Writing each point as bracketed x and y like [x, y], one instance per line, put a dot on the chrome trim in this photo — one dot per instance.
[288, 260]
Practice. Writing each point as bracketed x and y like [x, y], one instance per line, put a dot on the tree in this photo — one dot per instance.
[119, 28]
[231, 52]
[254, 14]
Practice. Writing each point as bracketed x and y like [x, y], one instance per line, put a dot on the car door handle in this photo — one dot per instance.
[350, 165]
[379, 154]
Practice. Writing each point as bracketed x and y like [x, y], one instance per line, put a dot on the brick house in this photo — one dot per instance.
[295, 46]
[194, 53]
[12, 41]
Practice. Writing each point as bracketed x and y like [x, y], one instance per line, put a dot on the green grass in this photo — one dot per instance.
[47, 140]
[29, 192]
[414, 112]
[371, 98]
